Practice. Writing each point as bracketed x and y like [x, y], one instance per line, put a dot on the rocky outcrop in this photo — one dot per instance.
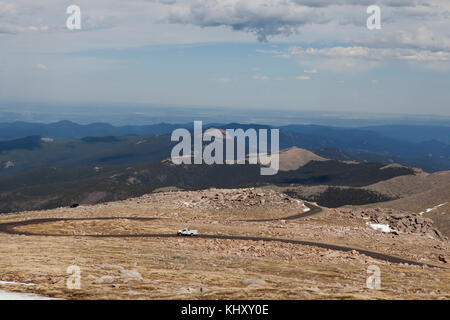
[402, 222]
[236, 198]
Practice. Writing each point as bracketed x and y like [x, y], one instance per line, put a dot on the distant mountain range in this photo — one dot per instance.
[45, 188]
[21, 155]
[425, 147]
[413, 133]
[71, 130]
[49, 165]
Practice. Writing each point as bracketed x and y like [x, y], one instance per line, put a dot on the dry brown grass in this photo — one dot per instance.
[185, 268]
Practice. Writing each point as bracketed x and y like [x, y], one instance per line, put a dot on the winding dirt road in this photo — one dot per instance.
[9, 229]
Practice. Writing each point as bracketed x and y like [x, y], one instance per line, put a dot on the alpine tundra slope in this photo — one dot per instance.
[128, 249]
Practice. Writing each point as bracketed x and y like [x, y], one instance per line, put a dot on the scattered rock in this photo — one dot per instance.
[111, 267]
[303, 294]
[133, 293]
[402, 222]
[131, 275]
[105, 280]
[443, 259]
[220, 199]
[253, 282]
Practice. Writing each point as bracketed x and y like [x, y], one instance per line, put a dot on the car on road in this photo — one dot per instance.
[188, 233]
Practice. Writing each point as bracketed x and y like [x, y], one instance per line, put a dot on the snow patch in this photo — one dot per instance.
[47, 139]
[5, 295]
[434, 208]
[301, 203]
[379, 227]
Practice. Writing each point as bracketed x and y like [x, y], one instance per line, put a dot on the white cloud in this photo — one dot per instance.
[341, 58]
[261, 77]
[269, 18]
[42, 67]
[303, 77]
[224, 80]
[13, 29]
[421, 37]
[414, 31]
[420, 24]
[7, 8]
[374, 53]
[265, 18]
[312, 71]
[269, 51]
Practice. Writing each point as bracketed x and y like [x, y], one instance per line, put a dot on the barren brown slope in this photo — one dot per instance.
[416, 193]
[404, 186]
[214, 266]
[294, 158]
[427, 193]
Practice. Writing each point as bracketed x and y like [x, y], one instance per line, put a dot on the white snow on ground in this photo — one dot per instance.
[434, 208]
[5, 295]
[380, 227]
[305, 208]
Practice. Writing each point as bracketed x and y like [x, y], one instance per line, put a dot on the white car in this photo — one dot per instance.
[187, 232]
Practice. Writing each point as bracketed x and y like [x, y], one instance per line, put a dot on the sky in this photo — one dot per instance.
[256, 54]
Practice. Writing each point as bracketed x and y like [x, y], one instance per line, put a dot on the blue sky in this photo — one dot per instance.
[260, 54]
